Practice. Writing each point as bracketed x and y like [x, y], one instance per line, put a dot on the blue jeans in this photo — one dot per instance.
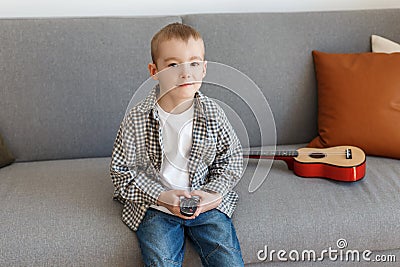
[162, 239]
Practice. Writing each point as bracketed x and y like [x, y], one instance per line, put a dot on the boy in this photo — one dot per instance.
[175, 144]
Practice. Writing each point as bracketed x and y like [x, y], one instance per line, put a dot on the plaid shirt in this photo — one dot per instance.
[215, 162]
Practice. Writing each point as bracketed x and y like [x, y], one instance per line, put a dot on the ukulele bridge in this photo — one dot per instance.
[348, 154]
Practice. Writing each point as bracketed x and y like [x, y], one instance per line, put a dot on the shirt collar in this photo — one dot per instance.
[149, 103]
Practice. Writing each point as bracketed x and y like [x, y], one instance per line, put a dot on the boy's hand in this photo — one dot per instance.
[208, 201]
[171, 200]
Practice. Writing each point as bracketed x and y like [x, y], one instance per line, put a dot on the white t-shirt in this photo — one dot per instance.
[176, 130]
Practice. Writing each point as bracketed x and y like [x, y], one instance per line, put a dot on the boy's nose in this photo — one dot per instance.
[185, 75]
[184, 71]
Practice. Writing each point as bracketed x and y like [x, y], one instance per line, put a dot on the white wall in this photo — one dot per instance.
[67, 8]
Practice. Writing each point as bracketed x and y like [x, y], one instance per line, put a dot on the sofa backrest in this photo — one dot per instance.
[274, 50]
[65, 82]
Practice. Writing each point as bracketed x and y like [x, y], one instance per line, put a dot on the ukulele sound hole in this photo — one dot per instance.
[317, 155]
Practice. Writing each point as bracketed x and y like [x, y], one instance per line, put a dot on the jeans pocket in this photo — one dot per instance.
[148, 217]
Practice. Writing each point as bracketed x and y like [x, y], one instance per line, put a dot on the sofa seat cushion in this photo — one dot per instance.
[61, 213]
[290, 212]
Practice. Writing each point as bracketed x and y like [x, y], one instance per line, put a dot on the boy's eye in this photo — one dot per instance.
[195, 64]
[172, 65]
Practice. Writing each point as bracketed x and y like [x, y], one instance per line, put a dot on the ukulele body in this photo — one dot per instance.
[330, 163]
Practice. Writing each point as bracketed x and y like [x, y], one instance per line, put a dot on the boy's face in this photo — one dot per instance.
[180, 68]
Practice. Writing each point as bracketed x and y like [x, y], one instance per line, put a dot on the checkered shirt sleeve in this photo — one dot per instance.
[134, 180]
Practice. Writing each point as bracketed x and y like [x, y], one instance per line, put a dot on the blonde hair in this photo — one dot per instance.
[172, 31]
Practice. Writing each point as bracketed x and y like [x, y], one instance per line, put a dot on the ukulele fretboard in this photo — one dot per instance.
[272, 154]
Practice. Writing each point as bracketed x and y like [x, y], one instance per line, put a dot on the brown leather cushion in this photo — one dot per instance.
[359, 102]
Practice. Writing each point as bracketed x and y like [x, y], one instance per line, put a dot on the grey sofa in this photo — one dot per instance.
[65, 84]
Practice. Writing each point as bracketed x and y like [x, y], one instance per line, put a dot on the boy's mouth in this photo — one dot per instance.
[186, 84]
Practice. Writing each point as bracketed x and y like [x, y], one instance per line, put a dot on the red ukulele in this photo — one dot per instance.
[341, 163]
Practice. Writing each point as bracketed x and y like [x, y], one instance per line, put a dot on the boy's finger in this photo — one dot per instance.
[198, 211]
[184, 193]
[198, 193]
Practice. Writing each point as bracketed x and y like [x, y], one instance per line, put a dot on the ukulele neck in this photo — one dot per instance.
[257, 154]
[285, 155]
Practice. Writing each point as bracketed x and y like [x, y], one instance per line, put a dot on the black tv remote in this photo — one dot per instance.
[188, 206]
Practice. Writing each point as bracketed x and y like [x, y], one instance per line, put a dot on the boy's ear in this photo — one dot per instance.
[204, 69]
[153, 70]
